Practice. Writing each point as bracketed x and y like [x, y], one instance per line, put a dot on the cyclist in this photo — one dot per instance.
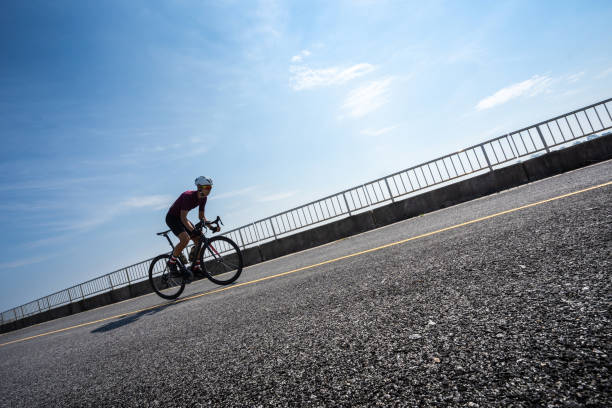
[182, 227]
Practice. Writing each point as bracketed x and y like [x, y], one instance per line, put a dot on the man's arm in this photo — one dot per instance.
[201, 215]
[185, 221]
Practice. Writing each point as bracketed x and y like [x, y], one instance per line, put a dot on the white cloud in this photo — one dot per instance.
[24, 262]
[155, 201]
[270, 17]
[300, 57]
[53, 184]
[575, 77]
[367, 98]
[276, 197]
[303, 77]
[191, 152]
[233, 193]
[106, 214]
[531, 87]
[378, 132]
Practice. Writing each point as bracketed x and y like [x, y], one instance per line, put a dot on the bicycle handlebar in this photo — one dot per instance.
[208, 224]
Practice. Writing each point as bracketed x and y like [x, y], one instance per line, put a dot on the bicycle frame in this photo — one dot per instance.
[203, 242]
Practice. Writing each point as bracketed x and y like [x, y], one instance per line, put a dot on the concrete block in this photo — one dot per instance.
[509, 177]
[543, 166]
[76, 307]
[141, 288]
[320, 235]
[251, 256]
[60, 311]
[8, 327]
[570, 158]
[102, 299]
[354, 224]
[120, 294]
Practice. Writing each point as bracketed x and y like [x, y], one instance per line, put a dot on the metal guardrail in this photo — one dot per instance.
[503, 150]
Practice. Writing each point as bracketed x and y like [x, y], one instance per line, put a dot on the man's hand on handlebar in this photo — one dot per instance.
[211, 225]
[213, 228]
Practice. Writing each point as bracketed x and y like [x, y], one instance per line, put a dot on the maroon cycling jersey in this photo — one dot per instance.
[187, 201]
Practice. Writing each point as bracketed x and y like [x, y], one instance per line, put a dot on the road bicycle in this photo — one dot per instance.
[220, 260]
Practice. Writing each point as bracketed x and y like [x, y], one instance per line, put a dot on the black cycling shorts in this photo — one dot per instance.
[175, 224]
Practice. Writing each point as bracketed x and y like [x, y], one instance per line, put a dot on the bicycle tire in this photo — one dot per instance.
[164, 285]
[221, 260]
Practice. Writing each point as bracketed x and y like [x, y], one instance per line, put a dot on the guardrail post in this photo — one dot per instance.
[127, 274]
[389, 190]
[22, 314]
[367, 195]
[110, 282]
[484, 152]
[516, 155]
[81, 289]
[273, 230]
[69, 296]
[347, 206]
[241, 239]
[542, 139]
[256, 233]
[15, 313]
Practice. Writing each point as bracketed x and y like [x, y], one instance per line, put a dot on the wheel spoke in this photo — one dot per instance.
[228, 265]
[163, 282]
[222, 268]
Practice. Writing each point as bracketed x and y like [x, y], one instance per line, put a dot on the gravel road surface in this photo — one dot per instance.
[510, 311]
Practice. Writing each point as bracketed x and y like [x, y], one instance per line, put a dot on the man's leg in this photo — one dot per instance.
[195, 266]
[183, 241]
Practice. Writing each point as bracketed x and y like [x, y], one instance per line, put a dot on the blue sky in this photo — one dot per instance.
[109, 110]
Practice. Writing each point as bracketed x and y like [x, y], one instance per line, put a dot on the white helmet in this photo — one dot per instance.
[203, 181]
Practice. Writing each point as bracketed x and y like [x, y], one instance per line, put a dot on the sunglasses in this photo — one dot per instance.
[204, 188]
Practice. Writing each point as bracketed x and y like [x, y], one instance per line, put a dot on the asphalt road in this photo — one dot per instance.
[511, 310]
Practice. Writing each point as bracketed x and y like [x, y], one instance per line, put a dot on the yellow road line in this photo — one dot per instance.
[278, 275]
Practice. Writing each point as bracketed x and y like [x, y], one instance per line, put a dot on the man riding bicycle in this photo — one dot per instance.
[181, 226]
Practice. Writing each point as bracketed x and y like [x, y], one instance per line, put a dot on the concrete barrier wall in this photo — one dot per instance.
[547, 165]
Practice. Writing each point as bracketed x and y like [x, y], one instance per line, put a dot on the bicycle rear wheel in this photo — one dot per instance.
[162, 281]
[221, 260]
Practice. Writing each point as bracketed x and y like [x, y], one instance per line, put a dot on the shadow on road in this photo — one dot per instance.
[124, 321]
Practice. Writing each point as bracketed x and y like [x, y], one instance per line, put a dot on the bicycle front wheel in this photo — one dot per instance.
[163, 282]
[221, 260]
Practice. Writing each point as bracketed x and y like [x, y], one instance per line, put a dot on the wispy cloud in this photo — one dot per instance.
[155, 201]
[276, 197]
[494, 131]
[575, 77]
[194, 151]
[299, 57]
[24, 262]
[303, 77]
[106, 214]
[378, 132]
[531, 87]
[604, 73]
[233, 193]
[46, 185]
[367, 98]
[269, 17]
